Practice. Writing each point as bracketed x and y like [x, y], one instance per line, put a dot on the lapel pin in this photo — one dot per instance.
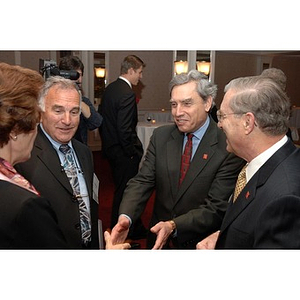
[205, 156]
[247, 194]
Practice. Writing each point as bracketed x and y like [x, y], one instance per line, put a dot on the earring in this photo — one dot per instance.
[14, 137]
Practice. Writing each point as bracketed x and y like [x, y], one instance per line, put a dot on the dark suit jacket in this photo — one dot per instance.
[27, 221]
[199, 204]
[118, 130]
[44, 171]
[267, 212]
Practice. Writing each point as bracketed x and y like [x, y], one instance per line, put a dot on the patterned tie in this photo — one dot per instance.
[240, 184]
[186, 157]
[70, 170]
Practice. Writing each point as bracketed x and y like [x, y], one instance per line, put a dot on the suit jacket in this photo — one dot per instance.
[199, 204]
[118, 130]
[266, 213]
[44, 171]
[27, 221]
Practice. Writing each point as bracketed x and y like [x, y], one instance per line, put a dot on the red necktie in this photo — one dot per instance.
[186, 157]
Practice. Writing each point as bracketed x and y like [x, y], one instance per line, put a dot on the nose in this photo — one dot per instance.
[178, 110]
[66, 119]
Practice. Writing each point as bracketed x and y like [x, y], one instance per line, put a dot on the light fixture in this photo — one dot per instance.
[180, 66]
[100, 72]
[204, 67]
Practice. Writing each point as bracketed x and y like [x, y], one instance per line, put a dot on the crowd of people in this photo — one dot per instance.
[223, 181]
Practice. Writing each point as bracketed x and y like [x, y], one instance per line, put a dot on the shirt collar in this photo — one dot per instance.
[259, 160]
[200, 131]
[54, 143]
[126, 80]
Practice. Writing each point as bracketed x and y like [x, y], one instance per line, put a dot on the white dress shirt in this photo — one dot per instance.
[259, 160]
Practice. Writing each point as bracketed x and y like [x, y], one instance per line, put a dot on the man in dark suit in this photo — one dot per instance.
[254, 115]
[60, 105]
[183, 212]
[121, 144]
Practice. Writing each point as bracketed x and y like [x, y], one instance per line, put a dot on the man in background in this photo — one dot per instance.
[121, 144]
[90, 119]
[279, 77]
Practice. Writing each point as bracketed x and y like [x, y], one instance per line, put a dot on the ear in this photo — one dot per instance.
[130, 71]
[249, 122]
[208, 104]
[13, 135]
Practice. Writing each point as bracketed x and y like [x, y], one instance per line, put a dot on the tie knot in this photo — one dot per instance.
[64, 148]
[189, 136]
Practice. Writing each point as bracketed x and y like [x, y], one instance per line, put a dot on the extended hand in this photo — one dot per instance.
[110, 246]
[162, 230]
[209, 243]
[120, 231]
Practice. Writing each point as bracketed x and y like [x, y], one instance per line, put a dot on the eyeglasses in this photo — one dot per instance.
[221, 117]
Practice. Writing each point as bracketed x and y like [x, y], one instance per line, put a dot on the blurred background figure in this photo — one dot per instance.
[27, 221]
[121, 144]
[280, 78]
[90, 119]
[277, 75]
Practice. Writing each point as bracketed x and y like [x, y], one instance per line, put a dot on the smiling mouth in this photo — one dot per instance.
[66, 129]
[180, 121]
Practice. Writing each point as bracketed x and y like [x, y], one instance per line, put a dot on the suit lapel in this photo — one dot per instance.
[47, 154]
[174, 151]
[258, 180]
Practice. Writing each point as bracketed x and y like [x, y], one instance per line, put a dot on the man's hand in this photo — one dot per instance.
[110, 246]
[120, 231]
[162, 230]
[85, 110]
[209, 243]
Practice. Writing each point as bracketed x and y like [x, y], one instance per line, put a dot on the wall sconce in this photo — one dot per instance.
[100, 72]
[180, 66]
[204, 67]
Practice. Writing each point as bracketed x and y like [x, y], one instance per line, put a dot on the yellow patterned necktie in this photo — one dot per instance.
[240, 184]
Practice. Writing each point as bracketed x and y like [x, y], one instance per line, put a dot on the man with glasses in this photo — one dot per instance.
[264, 211]
[188, 167]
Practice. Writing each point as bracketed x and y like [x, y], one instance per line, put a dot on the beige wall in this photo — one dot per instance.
[8, 57]
[290, 65]
[229, 65]
[27, 59]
